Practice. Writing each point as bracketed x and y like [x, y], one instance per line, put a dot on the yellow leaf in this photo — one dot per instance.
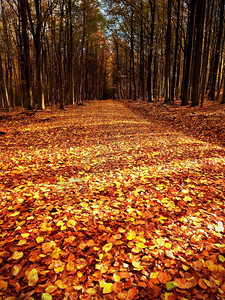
[61, 284]
[36, 196]
[154, 275]
[91, 291]
[141, 245]
[15, 270]
[25, 235]
[71, 223]
[102, 283]
[3, 284]
[221, 258]
[79, 274]
[32, 277]
[187, 198]
[160, 241]
[46, 296]
[78, 287]
[15, 214]
[50, 289]
[21, 242]
[168, 245]
[207, 282]
[167, 295]
[60, 223]
[137, 265]
[55, 254]
[17, 255]
[107, 247]
[116, 278]
[70, 266]
[131, 235]
[59, 269]
[107, 288]
[39, 239]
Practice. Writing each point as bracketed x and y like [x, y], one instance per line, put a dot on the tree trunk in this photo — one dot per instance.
[142, 75]
[175, 53]
[208, 32]
[217, 55]
[132, 54]
[188, 55]
[26, 55]
[168, 53]
[200, 15]
[150, 52]
[4, 90]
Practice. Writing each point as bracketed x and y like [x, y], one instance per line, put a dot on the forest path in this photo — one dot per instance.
[98, 201]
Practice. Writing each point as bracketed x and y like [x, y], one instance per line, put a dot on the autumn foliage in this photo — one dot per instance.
[100, 203]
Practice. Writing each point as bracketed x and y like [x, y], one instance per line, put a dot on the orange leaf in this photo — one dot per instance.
[47, 247]
[3, 284]
[202, 284]
[132, 293]
[164, 277]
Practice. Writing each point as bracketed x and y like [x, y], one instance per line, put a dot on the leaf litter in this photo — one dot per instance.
[99, 203]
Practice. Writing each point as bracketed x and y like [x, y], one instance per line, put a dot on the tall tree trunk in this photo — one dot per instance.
[132, 54]
[200, 16]
[150, 51]
[168, 53]
[188, 55]
[175, 53]
[4, 90]
[217, 55]
[208, 31]
[142, 75]
[70, 55]
[26, 55]
[223, 97]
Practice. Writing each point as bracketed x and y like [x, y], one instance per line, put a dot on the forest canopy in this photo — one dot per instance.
[63, 52]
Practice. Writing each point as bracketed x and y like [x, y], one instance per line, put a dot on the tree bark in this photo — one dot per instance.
[142, 75]
[168, 54]
[175, 53]
[217, 55]
[188, 55]
[150, 52]
[200, 16]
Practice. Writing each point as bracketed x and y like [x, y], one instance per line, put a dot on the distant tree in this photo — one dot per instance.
[168, 54]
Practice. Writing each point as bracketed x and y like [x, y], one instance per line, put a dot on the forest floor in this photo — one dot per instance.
[98, 202]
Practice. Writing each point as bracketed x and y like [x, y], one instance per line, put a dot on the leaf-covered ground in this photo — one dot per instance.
[207, 123]
[99, 203]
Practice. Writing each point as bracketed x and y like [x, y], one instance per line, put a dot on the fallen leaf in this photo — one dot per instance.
[17, 255]
[3, 284]
[32, 277]
[46, 296]
[107, 247]
[107, 288]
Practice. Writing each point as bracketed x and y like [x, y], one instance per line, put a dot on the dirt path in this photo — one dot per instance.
[98, 203]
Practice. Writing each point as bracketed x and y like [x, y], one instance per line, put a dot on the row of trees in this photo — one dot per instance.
[176, 49]
[64, 51]
[51, 52]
